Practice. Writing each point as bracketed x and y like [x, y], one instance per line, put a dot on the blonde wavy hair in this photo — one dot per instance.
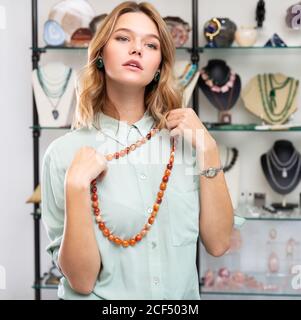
[159, 97]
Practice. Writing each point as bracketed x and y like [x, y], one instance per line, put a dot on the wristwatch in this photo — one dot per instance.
[211, 172]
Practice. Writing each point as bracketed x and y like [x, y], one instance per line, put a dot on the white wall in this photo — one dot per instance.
[16, 183]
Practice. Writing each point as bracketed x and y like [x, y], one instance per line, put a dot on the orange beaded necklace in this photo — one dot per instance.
[98, 217]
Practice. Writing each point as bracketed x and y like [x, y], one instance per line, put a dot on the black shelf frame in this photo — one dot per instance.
[36, 52]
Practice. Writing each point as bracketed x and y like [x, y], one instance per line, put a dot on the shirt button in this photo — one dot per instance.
[154, 244]
[156, 280]
[143, 176]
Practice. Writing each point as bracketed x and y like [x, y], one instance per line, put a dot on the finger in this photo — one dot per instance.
[176, 132]
[175, 112]
[172, 123]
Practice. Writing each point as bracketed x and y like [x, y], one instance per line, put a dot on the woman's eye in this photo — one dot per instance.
[153, 46]
[121, 38]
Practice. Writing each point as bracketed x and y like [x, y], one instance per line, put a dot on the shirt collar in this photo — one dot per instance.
[109, 126]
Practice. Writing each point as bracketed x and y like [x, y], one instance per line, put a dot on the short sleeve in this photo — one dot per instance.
[52, 201]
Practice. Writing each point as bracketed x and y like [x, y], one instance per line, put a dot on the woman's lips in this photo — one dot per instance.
[132, 68]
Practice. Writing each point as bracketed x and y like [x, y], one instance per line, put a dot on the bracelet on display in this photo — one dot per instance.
[210, 172]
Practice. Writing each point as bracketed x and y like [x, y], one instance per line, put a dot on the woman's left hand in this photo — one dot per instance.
[185, 122]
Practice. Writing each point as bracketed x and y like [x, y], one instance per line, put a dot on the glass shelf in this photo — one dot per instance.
[201, 49]
[245, 293]
[253, 213]
[257, 284]
[45, 286]
[209, 126]
[248, 127]
[44, 49]
[50, 128]
[273, 218]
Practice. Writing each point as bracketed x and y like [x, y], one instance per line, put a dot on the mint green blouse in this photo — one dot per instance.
[163, 264]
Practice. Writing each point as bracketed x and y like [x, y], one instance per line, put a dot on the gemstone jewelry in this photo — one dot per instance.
[54, 87]
[188, 74]
[115, 239]
[283, 167]
[268, 90]
[229, 165]
[215, 87]
[294, 179]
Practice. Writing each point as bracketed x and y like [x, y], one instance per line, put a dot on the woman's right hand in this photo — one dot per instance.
[87, 165]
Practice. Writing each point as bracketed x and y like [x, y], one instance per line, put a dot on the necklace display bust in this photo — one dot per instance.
[54, 88]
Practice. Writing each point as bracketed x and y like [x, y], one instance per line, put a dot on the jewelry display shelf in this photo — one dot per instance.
[46, 48]
[246, 127]
[275, 285]
[250, 293]
[260, 48]
[37, 127]
[232, 127]
[45, 286]
[272, 218]
[195, 51]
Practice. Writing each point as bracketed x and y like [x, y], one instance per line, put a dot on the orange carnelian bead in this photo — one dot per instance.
[147, 226]
[111, 237]
[132, 147]
[106, 232]
[156, 207]
[93, 183]
[94, 189]
[101, 226]
[167, 172]
[138, 237]
[96, 211]
[125, 243]
[160, 194]
[154, 213]
[159, 200]
[151, 220]
[98, 219]
[95, 204]
[143, 232]
[116, 155]
[122, 153]
[132, 242]
[117, 241]
[162, 186]
[138, 143]
[127, 150]
[165, 179]
[169, 166]
[109, 157]
[94, 197]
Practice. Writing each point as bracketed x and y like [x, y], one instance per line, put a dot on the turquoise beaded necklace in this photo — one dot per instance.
[54, 89]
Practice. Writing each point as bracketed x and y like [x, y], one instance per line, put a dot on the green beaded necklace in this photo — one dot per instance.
[268, 96]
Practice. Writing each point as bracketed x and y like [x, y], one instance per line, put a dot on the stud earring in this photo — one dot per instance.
[99, 63]
[157, 76]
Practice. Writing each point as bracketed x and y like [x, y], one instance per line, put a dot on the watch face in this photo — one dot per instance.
[211, 172]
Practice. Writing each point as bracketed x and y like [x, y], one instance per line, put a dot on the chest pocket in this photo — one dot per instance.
[183, 210]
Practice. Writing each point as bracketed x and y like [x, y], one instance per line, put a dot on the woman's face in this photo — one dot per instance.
[135, 37]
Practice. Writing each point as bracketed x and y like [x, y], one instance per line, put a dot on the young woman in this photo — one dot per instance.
[124, 195]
